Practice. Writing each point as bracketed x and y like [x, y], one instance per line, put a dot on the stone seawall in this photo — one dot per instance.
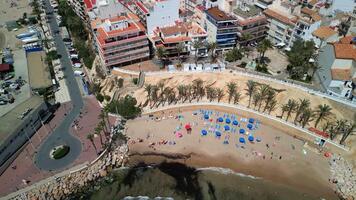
[71, 183]
[343, 177]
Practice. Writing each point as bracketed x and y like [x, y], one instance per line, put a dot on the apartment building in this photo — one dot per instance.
[289, 22]
[221, 27]
[181, 33]
[281, 22]
[78, 7]
[252, 23]
[157, 13]
[120, 40]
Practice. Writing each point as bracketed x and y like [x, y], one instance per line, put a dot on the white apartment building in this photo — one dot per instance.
[103, 9]
[289, 22]
[157, 13]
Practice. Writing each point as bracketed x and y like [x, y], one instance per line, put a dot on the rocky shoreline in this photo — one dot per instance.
[343, 177]
[62, 187]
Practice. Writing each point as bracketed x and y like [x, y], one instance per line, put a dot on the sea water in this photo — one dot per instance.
[177, 181]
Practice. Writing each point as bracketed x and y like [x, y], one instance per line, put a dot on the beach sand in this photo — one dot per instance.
[283, 162]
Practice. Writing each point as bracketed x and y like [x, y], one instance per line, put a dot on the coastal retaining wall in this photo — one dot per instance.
[70, 181]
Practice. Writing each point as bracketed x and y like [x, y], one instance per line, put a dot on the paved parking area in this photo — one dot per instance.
[21, 70]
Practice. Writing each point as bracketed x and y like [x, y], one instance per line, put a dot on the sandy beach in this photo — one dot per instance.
[279, 156]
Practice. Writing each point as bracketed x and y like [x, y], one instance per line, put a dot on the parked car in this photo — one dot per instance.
[77, 65]
[74, 56]
[79, 73]
[75, 60]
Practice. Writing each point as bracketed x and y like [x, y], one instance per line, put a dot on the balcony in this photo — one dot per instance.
[116, 43]
[123, 47]
[127, 59]
[136, 51]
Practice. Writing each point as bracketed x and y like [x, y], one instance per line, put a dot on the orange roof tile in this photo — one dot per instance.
[279, 17]
[324, 32]
[346, 39]
[345, 51]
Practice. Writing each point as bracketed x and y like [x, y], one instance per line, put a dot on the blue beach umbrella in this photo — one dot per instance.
[204, 132]
[258, 139]
[251, 120]
[235, 122]
[206, 116]
[242, 140]
[226, 127]
[217, 134]
[228, 121]
[249, 126]
[250, 138]
[242, 131]
[220, 119]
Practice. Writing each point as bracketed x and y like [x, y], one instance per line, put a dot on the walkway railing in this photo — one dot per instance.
[239, 107]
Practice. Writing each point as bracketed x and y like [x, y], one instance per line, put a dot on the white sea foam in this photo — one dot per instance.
[226, 171]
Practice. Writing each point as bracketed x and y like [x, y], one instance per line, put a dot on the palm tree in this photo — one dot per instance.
[180, 49]
[264, 90]
[348, 131]
[211, 48]
[322, 112]
[196, 45]
[284, 109]
[189, 92]
[219, 94]
[90, 137]
[256, 99]
[245, 38]
[272, 105]
[306, 117]
[198, 88]
[97, 131]
[210, 92]
[181, 91]
[154, 94]
[161, 55]
[303, 104]
[250, 90]
[148, 89]
[292, 106]
[270, 97]
[237, 97]
[231, 89]
[262, 47]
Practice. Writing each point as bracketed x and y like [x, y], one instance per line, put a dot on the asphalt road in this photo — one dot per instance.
[61, 135]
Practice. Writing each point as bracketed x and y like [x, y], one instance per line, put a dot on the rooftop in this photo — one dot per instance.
[345, 51]
[247, 11]
[39, 75]
[11, 120]
[174, 30]
[324, 32]
[275, 15]
[219, 15]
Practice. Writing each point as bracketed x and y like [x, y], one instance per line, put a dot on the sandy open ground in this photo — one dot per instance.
[283, 161]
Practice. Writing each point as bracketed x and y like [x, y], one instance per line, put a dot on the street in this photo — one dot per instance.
[61, 135]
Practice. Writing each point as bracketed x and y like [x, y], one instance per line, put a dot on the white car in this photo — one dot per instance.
[77, 65]
[79, 73]
[74, 56]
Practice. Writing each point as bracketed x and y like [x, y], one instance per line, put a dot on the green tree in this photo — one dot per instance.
[90, 137]
[322, 113]
[250, 90]
[126, 107]
[231, 89]
[161, 55]
[302, 106]
[233, 55]
[262, 47]
[307, 116]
